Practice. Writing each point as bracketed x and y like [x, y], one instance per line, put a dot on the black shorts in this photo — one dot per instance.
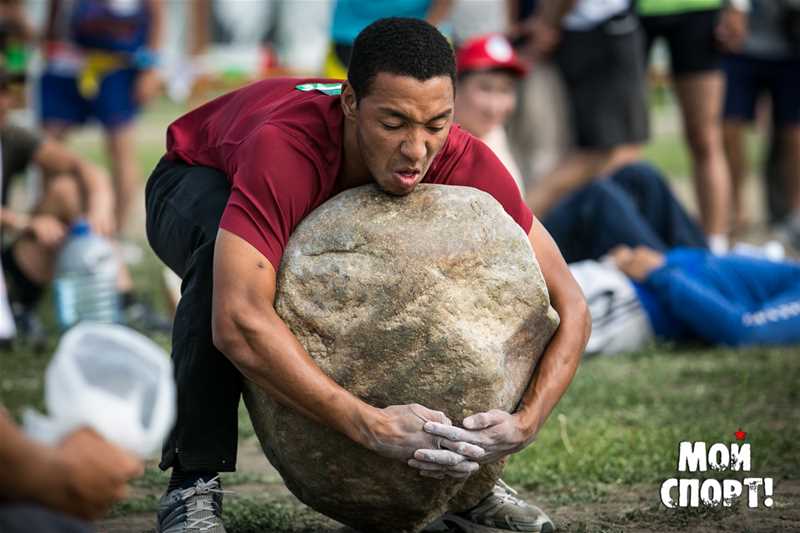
[690, 38]
[747, 78]
[603, 72]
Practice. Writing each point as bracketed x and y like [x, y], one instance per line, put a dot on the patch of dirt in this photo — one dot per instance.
[638, 509]
[621, 509]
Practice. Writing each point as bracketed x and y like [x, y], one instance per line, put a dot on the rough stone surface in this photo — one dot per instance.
[433, 298]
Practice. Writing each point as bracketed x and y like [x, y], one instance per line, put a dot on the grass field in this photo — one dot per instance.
[599, 461]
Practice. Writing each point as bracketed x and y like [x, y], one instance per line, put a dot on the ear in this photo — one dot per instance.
[348, 101]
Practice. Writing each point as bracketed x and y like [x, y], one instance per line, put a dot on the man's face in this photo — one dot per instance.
[484, 101]
[400, 126]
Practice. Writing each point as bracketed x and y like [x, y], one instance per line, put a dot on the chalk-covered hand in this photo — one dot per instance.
[496, 432]
[399, 435]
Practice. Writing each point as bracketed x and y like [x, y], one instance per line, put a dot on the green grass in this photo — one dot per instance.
[622, 419]
[618, 426]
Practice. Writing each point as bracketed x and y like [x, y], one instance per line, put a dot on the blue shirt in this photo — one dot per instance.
[352, 16]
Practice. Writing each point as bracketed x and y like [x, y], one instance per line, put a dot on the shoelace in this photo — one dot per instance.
[509, 494]
[202, 488]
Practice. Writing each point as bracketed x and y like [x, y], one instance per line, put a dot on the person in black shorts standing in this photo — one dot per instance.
[696, 32]
[597, 48]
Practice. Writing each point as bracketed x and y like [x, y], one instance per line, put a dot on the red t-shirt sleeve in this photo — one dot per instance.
[478, 167]
[273, 187]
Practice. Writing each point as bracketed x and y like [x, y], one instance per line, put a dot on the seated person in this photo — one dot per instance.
[634, 206]
[638, 294]
[73, 189]
[55, 489]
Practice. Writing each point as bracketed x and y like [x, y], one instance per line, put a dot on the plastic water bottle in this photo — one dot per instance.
[111, 379]
[85, 284]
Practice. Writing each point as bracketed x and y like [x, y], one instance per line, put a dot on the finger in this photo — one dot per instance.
[442, 457]
[464, 448]
[451, 432]
[424, 465]
[465, 467]
[435, 475]
[483, 420]
[458, 475]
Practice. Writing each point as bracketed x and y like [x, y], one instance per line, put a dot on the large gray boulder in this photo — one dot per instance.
[432, 298]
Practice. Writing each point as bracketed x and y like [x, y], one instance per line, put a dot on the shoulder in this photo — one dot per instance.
[465, 160]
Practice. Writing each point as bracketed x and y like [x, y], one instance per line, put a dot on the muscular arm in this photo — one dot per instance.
[250, 333]
[500, 433]
[560, 360]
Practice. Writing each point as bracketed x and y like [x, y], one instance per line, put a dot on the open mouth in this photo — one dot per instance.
[406, 176]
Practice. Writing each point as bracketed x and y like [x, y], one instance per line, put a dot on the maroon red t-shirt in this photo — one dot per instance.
[281, 148]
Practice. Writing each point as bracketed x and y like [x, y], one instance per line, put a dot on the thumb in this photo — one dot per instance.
[477, 421]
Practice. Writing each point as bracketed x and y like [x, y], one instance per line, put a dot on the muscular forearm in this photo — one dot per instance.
[556, 368]
[268, 354]
[560, 359]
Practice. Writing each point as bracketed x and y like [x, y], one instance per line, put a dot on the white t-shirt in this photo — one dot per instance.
[589, 13]
[619, 322]
[497, 141]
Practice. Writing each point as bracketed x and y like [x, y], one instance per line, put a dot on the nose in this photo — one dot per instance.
[414, 147]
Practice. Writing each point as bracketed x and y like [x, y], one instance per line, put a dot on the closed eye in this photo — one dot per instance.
[391, 126]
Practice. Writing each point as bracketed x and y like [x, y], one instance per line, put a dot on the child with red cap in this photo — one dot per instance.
[488, 69]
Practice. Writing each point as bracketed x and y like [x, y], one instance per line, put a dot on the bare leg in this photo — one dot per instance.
[122, 154]
[57, 130]
[700, 97]
[64, 200]
[791, 165]
[733, 132]
[575, 170]
[122, 151]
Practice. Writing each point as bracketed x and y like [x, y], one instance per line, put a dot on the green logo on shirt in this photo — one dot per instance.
[331, 89]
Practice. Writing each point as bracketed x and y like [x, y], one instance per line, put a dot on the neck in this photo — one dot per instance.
[353, 171]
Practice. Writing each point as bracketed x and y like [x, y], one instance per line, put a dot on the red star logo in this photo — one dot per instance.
[740, 435]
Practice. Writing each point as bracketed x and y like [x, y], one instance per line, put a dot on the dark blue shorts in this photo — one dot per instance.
[113, 106]
[747, 78]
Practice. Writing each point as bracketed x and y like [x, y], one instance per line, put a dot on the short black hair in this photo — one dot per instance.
[402, 46]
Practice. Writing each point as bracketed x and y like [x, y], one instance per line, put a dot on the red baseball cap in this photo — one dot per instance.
[492, 51]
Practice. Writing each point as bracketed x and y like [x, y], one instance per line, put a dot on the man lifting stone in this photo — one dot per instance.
[239, 175]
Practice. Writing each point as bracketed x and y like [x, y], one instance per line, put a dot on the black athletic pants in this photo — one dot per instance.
[184, 206]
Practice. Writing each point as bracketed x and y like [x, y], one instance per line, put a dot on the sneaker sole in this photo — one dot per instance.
[465, 526]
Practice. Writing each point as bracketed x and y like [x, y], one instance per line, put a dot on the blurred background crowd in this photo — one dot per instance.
[561, 90]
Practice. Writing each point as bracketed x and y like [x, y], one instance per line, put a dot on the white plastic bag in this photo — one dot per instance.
[111, 379]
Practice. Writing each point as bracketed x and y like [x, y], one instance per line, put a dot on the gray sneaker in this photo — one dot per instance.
[500, 511]
[191, 510]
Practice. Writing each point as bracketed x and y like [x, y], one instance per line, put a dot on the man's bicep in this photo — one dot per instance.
[244, 281]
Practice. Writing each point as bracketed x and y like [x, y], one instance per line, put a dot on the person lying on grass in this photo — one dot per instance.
[689, 294]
